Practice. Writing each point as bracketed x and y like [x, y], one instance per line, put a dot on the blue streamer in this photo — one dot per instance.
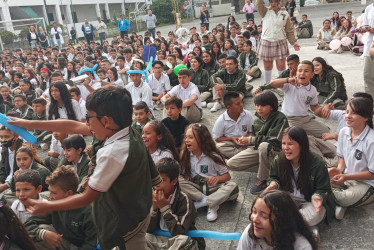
[92, 70]
[203, 234]
[17, 129]
[144, 72]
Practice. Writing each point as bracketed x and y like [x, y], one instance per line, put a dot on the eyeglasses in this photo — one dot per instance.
[88, 117]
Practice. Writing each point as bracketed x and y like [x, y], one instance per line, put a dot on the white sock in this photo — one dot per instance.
[280, 72]
[267, 76]
[201, 203]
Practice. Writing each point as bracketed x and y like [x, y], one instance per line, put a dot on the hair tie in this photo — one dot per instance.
[44, 69]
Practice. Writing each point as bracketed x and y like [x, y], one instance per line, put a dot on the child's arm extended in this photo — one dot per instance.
[279, 82]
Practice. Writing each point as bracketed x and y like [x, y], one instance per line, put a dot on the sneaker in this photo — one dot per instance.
[339, 212]
[210, 105]
[217, 106]
[203, 104]
[200, 203]
[44, 146]
[212, 213]
[259, 187]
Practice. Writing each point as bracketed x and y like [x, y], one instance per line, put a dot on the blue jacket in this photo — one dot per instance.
[84, 30]
[125, 25]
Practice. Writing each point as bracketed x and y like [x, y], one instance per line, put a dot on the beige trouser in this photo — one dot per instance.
[218, 95]
[8, 196]
[309, 213]
[325, 149]
[303, 33]
[43, 245]
[229, 149]
[205, 95]
[369, 74]
[164, 243]
[309, 124]
[353, 194]
[219, 194]
[253, 160]
[255, 72]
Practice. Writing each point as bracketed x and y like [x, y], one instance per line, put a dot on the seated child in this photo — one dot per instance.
[299, 96]
[27, 90]
[232, 126]
[22, 107]
[248, 61]
[189, 94]
[159, 83]
[28, 186]
[44, 137]
[5, 93]
[5, 105]
[175, 121]
[142, 115]
[76, 95]
[74, 147]
[172, 211]
[276, 223]
[56, 152]
[159, 141]
[72, 229]
[205, 176]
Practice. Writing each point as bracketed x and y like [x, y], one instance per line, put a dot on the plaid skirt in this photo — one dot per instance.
[269, 51]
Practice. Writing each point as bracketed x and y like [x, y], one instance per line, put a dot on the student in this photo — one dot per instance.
[142, 116]
[13, 234]
[28, 185]
[264, 142]
[75, 94]
[172, 211]
[56, 152]
[21, 107]
[159, 141]
[113, 78]
[276, 223]
[125, 157]
[354, 174]
[27, 90]
[189, 94]
[72, 229]
[140, 91]
[200, 77]
[304, 175]
[299, 96]
[170, 71]
[209, 64]
[43, 136]
[204, 168]
[230, 49]
[159, 83]
[232, 126]
[5, 106]
[175, 121]
[5, 93]
[248, 61]
[304, 28]
[74, 152]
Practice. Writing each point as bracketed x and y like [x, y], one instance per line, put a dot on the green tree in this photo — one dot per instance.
[23, 34]
[163, 11]
[7, 37]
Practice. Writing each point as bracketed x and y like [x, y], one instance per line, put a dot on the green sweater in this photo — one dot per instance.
[253, 60]
[129, 199]
[30, 96]
[233, 82]
[40, 134]
[76, 226]
[4, 163]
[308, 25]
[201, 79]
[82, 166]
[211, 67]
[26, 112]
[43, 171]
[270, 130]
[319, 182]
[330, 87]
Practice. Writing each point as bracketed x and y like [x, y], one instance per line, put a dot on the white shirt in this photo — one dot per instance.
[205, 166]
[161, 85]
[161, 154]
[57, 147]
[63, 112]
[247, 243]
[368, 20]
[359, 154]
[297, 100]
[20, 210]
[141, 93]
[111, 160]
[186, 93]
[11, 165]
[247, 64]
[82, 105]
[227, 127]
[46, 91]
[338, 115]
[119, 82]
[84, 91]
[163, 225]
[76, 165]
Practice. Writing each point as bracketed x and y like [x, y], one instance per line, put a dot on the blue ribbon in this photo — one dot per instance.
[17, 129]
[92, 70]
[203, 234]
[144, 72]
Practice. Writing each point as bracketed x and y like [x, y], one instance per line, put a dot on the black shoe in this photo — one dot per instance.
[259, 187]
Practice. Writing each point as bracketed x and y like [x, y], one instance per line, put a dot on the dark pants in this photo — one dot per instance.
[89, 37]
[250, 16]
[102, 36]
[123, 33]
[236, 4]
[152, 31]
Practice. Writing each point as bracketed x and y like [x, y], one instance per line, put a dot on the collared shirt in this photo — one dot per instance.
[76, 165]
[227, 127]
[297, 100]
[359, 154]
[20, 210]
[163, 225]
[82, 105]
[186, 93]
[338, 115]
[205, 166]
[11, 164]
[141, 93]
[84, 91]
[111, 160]
[161, 85]
[57, 147]
[161, 154]
[64, 114]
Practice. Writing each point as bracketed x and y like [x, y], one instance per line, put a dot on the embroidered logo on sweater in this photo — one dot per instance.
[358, 154]
[204, 169]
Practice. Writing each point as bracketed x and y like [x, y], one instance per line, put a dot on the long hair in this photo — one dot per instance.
[73, 72]
[214, 55]
[344, 30]
[167, 141]
[328, 70]
[285, 220]
[66, 99]
[363, 107]
[299, 136]
[115, 73]
[207, 146]
[12, 229]
[32, 75]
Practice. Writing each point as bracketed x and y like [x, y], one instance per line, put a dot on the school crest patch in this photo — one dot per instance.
[358, 154]
[244, 128]
[308, 100]
[204, 169]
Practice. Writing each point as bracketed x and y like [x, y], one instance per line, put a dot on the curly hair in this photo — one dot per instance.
[65, 177]
[207, 146]
[285, 220]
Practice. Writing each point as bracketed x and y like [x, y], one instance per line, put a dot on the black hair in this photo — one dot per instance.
[74, 141]
[227, 98]
[363, 94]
[157, 62]
[29, 175]
[222, 56]
[105, 102]
[232, 58]
[27, 81]
[169, 167]
[142, 105]
[293, 57]
[39, 100]
[66, 99]
[363, 107]
[75, 90]
[20, 96]
[267, 98]
[115, 73]
[246, 34]
[307, 62]
[176, 101]
[329, 71]
[248, 42]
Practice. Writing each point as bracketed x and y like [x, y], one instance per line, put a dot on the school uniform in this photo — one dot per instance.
[43, 136]
[52, 162]
[231, 82]
[63, 112]
[201, 79]
[297, 101]
[25, 112]
[325, 149]
[141, 93]
[161, 154]
[84, 91]
[43, 172]
[30, 96]
[158, 86]
[177, 128]
[19, 209]
[358, 157]
[5, 108]
[215, 195]
[227, 127]
[194, 112]
[8, 163]
[81, 168]
[249, 61]
[211, 67]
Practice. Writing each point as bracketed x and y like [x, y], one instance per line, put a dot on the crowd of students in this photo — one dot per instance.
[176, 166]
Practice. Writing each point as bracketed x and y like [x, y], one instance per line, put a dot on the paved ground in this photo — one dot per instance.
[356, 230]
